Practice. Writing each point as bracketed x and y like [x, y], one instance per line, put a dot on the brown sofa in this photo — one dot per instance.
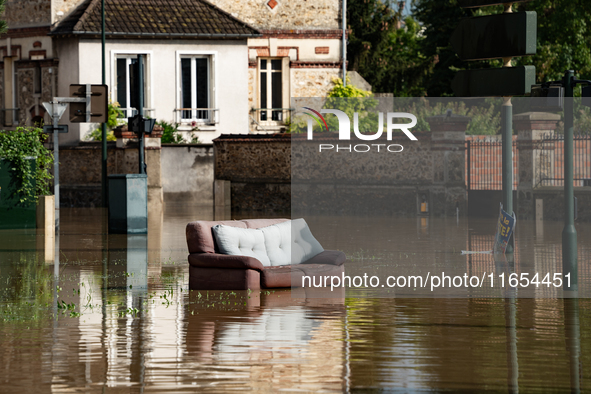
[211, 270]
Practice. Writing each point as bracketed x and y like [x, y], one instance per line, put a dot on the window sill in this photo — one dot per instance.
[276, 128]
[197, 127]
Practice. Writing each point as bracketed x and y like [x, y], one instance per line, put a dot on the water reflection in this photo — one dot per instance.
[573, 342]
[120, 317]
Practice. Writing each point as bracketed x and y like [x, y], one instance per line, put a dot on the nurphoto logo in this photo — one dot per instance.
[345, 130]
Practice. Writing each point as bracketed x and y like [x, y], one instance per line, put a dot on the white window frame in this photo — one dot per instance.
[148, 77]
[213, 79]
[285, 88]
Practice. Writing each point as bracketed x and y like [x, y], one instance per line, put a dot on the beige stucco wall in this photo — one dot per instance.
[26, 44]
[230, 70]
[287, 14]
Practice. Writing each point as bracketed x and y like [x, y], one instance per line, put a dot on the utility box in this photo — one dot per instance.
[128, 204]
[13, 213]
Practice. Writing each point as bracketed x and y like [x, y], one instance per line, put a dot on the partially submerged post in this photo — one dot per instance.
[514, 35]
[569, 233]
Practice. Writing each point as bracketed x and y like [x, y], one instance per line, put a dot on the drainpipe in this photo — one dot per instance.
[9, 94]
[344, 42]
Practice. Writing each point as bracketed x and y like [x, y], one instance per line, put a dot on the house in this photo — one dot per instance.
[222, 66]
[298, 54]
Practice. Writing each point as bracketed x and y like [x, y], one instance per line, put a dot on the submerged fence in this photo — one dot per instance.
[484, 163]
[551, 160]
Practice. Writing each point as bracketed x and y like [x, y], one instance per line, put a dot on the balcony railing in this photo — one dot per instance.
[279, 115]
[129, 112]
[197, 115]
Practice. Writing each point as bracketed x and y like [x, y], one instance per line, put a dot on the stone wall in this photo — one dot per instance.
[284, 172]
[26, 96]
[259, 167]
[61, 8]
[27, 13]
[175, 172]
[257, 157]
[285, 14]
[80, 170]
[24, 13]
[310, 82]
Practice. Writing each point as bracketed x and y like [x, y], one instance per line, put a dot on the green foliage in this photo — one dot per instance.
[3, 25]
[114, 114]
[564, 38]
[384, 51]
[486, 117]
[563, 35]
[439, 18]
[351, 99]
[340, 90]
[171, 135]
[16, 146]
[348, 99]
[97, 135]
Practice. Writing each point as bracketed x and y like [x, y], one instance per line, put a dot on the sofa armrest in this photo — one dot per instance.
[216, 260]
[333, 257]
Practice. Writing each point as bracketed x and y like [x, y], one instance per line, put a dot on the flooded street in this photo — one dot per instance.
[113, 313]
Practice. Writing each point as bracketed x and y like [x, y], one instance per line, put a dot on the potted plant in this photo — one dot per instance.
[24, 176]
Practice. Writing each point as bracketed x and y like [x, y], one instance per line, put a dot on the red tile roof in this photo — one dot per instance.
[155, 19]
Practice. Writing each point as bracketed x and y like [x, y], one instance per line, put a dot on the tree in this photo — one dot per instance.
[387, 55]
[439, 19]
[3, 25]
[564, 38]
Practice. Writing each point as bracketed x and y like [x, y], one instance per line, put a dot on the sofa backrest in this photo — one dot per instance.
[200, 237]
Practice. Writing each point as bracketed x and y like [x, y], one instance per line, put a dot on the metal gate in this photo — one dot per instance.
[550, 171]
[484, 164]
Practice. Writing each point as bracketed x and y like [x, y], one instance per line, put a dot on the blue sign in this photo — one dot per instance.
[505, 228]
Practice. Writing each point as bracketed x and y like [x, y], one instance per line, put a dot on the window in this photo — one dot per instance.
[273, 89]
[37, 83]
[196, 85]
[124, 84]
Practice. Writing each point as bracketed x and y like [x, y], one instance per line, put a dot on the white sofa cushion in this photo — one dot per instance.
[285, 243]
[278, 243]
[241, 242]
[303, 244]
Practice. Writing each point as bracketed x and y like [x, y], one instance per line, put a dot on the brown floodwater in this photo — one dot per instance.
[113, 313]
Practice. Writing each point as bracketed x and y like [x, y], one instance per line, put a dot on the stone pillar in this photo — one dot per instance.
[535, 162]
[448, 142]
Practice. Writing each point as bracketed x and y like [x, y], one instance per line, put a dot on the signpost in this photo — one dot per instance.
[60, 129]
[494, 36]
[88, 108]
[495, 82]
[491, 37]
